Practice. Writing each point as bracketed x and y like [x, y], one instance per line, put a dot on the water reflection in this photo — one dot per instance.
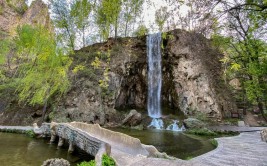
[176, 144]
[17, 149]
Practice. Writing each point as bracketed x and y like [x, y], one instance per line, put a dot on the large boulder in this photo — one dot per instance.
[193, 123]
[134, 118]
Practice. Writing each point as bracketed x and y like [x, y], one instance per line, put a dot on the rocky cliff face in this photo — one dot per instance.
[191, 80]
[196, 73]
[15, 12]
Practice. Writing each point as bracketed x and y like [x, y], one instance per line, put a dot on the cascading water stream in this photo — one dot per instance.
[175, 127]
[154, 75]
[154, 80]
[155, 83]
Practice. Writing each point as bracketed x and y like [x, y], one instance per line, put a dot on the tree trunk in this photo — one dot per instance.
[116, 28]
[44, 110]
[83, 37]
[126, 28]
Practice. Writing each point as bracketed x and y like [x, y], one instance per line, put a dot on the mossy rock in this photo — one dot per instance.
[193, 123]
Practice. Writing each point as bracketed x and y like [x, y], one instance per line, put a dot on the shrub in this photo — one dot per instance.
[107, 161]
[30, 133]
[202, 132]
[86, 163]
[214, 143]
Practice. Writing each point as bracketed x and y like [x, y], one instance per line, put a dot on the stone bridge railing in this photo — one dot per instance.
[96, 140]
[76, 138]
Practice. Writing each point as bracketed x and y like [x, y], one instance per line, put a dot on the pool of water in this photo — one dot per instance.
[176, 144]
[21, 150]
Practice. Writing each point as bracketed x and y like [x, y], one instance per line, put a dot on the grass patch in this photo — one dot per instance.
[231, 121]
[211, 134]
[201, 132]
[189, 158]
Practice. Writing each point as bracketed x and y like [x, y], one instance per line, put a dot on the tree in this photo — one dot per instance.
[247, 54]
[80, 12]
[107, 15]
[161, 17]
[43, 69]
[64, 22]
[131, 10]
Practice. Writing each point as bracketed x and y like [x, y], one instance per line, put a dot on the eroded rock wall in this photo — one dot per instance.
[191, 79]
[14, 13]
[197, 75]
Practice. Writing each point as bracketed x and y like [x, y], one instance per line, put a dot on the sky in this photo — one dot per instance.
[148, 12]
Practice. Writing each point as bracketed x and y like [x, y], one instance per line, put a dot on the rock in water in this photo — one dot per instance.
[56, 162]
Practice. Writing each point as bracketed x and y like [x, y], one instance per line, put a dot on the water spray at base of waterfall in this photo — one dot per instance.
[175, 127]
[158, 123]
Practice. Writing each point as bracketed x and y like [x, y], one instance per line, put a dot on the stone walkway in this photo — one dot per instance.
[235, 128]
[247, 149]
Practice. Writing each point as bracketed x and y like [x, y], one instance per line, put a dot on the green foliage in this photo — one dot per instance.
[214, 143]
[85, 163]
[1, 10]
[161, 17]
[30, 133]
[131, 10]
[47, 74]
[78, 68]
[65, 22]
[42, 68]
[5, 48]
[107, 15]
[80, 12]
[18, 5]
[141, 31]
[107, 161]
[201, 132]
[189, 157]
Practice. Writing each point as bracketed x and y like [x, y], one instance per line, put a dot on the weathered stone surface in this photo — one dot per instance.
[56, 162]
[264, 135]
[15, 13]
[193, 123]
[132, 119]
[117, 140]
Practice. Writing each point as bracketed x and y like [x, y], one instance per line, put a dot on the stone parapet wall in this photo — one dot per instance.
[81, 139]
[117, 140]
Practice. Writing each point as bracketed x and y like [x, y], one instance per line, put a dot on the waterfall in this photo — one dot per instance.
[154, 75]
[175, 127]
[154, 84]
